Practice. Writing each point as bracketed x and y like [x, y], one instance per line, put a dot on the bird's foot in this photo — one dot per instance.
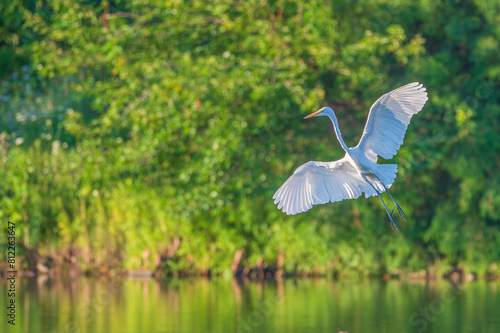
[401, 212]
[394, 222]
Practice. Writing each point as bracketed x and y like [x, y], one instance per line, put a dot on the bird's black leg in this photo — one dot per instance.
[400, 210]
[392, 219]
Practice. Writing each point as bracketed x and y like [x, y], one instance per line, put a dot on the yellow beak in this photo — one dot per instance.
[312, 114]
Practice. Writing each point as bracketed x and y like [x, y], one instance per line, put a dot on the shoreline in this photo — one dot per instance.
[250, 274]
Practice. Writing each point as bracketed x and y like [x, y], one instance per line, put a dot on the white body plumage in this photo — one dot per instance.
[358, 171]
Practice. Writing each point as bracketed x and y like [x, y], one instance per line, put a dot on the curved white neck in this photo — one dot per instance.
[338, 134]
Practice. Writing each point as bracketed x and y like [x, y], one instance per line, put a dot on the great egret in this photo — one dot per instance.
[317, 183]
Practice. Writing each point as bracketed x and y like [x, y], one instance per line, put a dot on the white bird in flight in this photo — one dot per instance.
[357, 172]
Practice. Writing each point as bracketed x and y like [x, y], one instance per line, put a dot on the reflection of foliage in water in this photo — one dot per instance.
[218, 305]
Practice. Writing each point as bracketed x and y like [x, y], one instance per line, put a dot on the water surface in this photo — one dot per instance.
[294, 306]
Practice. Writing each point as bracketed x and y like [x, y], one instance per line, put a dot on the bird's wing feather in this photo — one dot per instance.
[317, 183]
[388, 119]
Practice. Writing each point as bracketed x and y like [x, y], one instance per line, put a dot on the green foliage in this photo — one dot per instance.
[137, 122]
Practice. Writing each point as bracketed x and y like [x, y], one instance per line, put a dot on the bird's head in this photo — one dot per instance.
[326, 111]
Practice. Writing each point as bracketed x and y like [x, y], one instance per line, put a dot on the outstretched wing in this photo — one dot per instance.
[317, 183]
[388, 119]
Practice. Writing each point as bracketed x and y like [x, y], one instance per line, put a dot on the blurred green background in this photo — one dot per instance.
[126, 126]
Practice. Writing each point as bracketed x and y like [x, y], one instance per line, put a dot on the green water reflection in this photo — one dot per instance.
[130, 305]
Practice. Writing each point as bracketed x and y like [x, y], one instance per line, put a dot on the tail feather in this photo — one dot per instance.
[387, 173]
